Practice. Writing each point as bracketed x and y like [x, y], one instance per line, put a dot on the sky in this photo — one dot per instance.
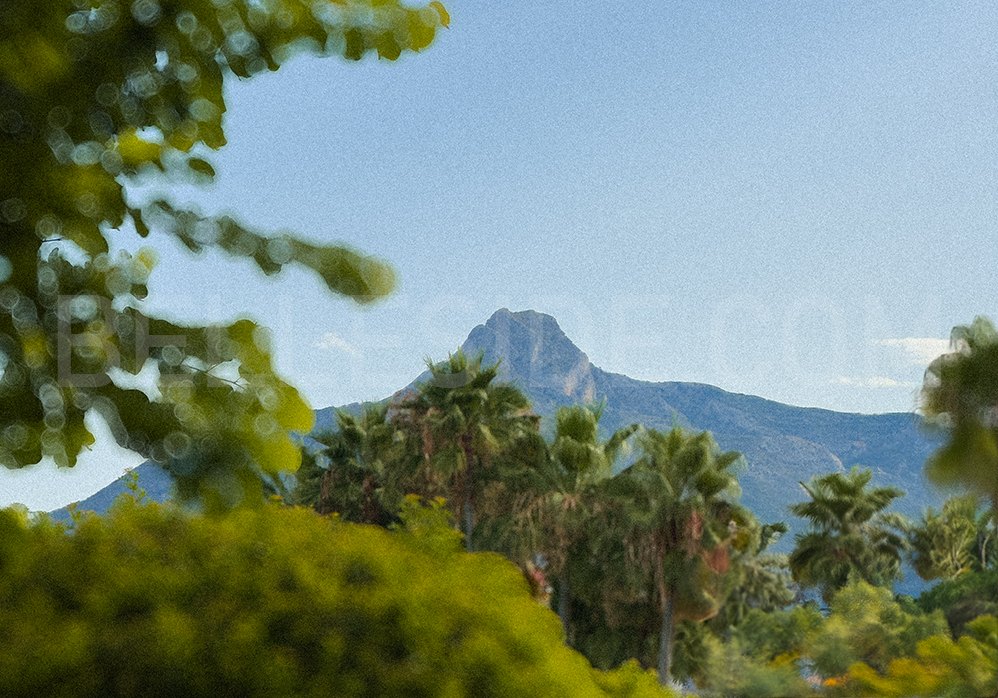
[791, 200]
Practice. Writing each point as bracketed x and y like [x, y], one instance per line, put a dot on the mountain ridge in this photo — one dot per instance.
[782, 444]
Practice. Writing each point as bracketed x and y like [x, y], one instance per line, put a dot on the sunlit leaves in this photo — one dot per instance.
[136, 151]
[867, 624]
[274, 602]
[940, 666]
[442, 11]
[92, 96]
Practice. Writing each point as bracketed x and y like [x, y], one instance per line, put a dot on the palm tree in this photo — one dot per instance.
[466, 420]
[565, 493]
[850, 533]
[356, 471]
[759, 580]
[950, 542]
[676, 502]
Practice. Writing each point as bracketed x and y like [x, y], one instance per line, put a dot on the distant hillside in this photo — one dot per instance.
[156, 482]
[782, 444]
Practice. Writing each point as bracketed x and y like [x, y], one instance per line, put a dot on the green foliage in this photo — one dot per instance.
[135, 490]
[867, 624]
[732, 671]
[273, 601]
[95, 95]
[757, 579]
[965, 668]
[960, 393]
[851, 534]
[557, 499]
[428, 524]
[953, 541]
[630, 680]
[964, 598]
[465, 420]
[679, 524]
[777, 635]
[764, 654]
[359, 471]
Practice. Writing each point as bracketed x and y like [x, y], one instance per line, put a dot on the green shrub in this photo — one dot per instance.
[867, 624]
[273, 601]
[964, 598]
[733, 671]
[963, 668]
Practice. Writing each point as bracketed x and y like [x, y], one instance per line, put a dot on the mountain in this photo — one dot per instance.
[782, 444]
[152, 479]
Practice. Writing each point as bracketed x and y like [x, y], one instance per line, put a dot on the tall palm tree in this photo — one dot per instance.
[466, 419]
[851, 533]
[678, 511]
[566, 492]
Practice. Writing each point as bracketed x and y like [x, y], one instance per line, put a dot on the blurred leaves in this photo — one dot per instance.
[866, 623]
[93, 94]
[274, 601]
[940, 666]
[960, 394]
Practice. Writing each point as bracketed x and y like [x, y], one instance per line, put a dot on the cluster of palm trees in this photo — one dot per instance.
[658, 539]
[639, 534]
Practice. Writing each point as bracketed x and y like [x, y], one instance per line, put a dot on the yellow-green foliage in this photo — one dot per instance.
[94, 96]
[275, 602]
[966, 668]
[630, 680]
[867, 624]
[732, 671]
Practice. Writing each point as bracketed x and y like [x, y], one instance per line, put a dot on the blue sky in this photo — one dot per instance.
[793, 200]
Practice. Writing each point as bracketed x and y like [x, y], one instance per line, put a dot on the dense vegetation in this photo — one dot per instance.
[659, 562]
[274, 601]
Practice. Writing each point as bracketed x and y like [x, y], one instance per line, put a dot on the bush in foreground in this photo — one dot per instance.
[276, 602]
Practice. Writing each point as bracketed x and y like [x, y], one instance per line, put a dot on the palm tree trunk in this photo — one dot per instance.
[564, 604]
[668, 629]
[665, 641]
[469, 523]
[994, 522]
[468, 510]
[369, 511]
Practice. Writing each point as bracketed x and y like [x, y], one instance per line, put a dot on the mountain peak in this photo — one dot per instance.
[537, 323]
[535, 353]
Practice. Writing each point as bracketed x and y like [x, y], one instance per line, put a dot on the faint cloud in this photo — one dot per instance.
[333, 342]
[919, 351]
[873, 382]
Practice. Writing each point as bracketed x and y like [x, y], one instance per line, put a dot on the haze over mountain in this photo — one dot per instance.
[782, 444]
